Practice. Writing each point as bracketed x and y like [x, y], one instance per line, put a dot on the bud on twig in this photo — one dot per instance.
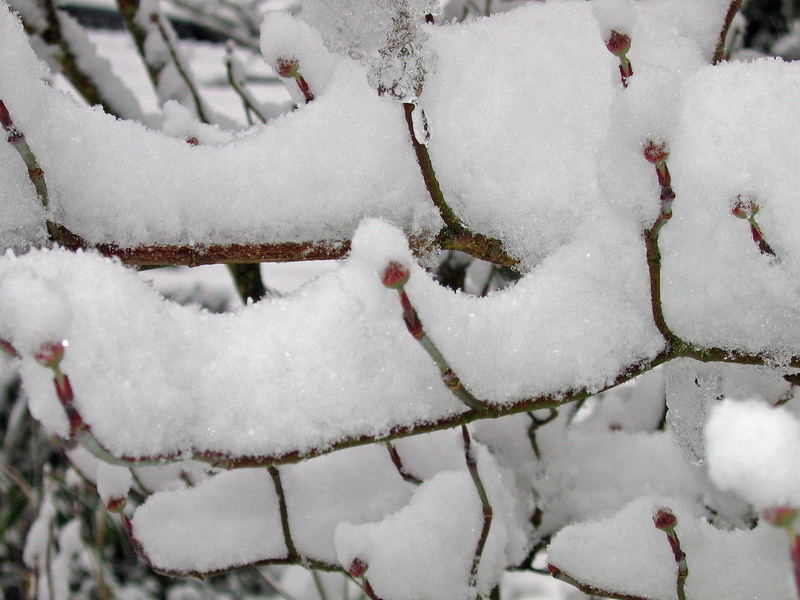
[289, 67]
[618, 43]
[50, 354]
[665, 520]
[357, 568]
[746, 207]
[656, 151]
[395, 275]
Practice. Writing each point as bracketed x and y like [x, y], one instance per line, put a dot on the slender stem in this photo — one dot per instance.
[287, 533]
[35, 173]
[398, 463]
[449, 217]
[178, 62]
[249, 103]
[318, 584]
[472, 466]
[451, 380]
[535, 424]
[588, 589]
[719, 52]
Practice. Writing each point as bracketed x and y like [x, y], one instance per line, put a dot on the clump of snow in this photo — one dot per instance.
[356, 485]
[606, 553]
[34, 310]
[425, 550]
[113, 483]
[614, 15]
[229, 520]
[754, 450]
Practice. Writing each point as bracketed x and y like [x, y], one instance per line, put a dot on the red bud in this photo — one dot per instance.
[744, 207]
[656, 151]
[618, 43]
[50, 354]
[665, 520]
[8, 348]
[357, 568]
[287, 67]
[395, 275]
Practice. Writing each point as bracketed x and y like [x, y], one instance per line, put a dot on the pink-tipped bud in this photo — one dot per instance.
[656, 151]
[665, 520]
[618, 43]
[287, 67]
[357, 568]
[193, 141]
[780, 516]
[395, 275]
[744, 207]
[50, 353]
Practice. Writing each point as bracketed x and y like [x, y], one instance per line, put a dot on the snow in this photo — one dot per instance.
[604, 554]
[433, 539]
[754, 450]
[229, 520]
[113, 483]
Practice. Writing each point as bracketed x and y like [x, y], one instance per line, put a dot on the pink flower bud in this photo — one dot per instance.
[50, 353]
[357, 568]
[665, 520]
[287, 67]
[395, 275]
[618, 43]
[656, 151]
[780, 516]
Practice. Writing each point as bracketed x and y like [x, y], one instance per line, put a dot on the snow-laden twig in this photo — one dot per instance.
[472, 467]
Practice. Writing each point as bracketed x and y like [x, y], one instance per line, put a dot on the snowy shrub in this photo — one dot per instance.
[619, 416]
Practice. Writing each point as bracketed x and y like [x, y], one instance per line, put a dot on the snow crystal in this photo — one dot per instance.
[754, 450]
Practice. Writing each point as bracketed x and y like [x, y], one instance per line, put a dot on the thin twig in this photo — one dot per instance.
[588, 589]
[398, 463]
[318, 584]
[472, 466]
[287, 533]
[178, 62]
[665, 520]
[249, 103]
[395, 276]
[719, 52]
